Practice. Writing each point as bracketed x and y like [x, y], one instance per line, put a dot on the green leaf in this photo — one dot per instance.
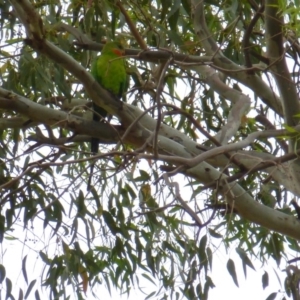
[148, 278]
[214, 234]
[202, 246]
[9, 217]
[272, 296]
[119, 247]
[186, 5]
[2, 273]
[245, 260]
[209, 256]
[110, 222]
[37, 295]
[150, 261]
[11, 238]
[2, 227]
[150, 295]
[167, 245]
[232, 272]
[276, 247]
[20, 294]
[144, 176]
[290, 129]
[265, 280]
[81, 205]
[32, 283]
[173, 15]
[24, 269]
[165, 7]
[8, 288]
[208, 285]
[45, 258]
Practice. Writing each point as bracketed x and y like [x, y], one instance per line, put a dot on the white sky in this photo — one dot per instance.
[250, 288]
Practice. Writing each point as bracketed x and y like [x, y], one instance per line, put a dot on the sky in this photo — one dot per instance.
[249, 288]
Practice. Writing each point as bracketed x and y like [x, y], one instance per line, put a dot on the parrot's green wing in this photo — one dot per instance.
[110, 72]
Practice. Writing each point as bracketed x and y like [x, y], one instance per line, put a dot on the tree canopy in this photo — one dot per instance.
[203, 151]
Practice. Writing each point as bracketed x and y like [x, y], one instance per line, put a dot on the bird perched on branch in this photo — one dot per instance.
[110, 72]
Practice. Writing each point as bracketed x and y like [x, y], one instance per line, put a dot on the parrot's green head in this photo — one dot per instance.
[113, 48]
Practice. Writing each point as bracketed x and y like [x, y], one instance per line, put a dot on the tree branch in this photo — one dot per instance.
[255, 83]
[278, 66]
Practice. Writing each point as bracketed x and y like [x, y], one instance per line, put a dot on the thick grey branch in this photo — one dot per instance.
[241, 102]
[254, 82]
[278, 66]
[44, 115]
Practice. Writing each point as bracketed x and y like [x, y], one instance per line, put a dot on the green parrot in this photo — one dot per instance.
[110, 73]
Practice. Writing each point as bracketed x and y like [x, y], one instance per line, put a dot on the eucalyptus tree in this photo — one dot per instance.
[203, 152]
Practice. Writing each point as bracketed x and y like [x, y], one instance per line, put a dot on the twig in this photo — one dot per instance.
[246, 43]
[132, 27]
[158, 102]
[181, 201]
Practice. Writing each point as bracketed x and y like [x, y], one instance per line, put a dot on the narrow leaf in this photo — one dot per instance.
[37, 295]
[84, 276]
[110, 222]
[32, 283]
[215, 234]
[45, 258]
[209, 256]
[202, 246]
[8, 288]
[148, 277]
[272, 296]
[245, 260]
[24, 269]
[232, 272]
[265, 280]
[150, 295]
[150, 261]
[2, 273]
[20, 295]
[2, 227]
